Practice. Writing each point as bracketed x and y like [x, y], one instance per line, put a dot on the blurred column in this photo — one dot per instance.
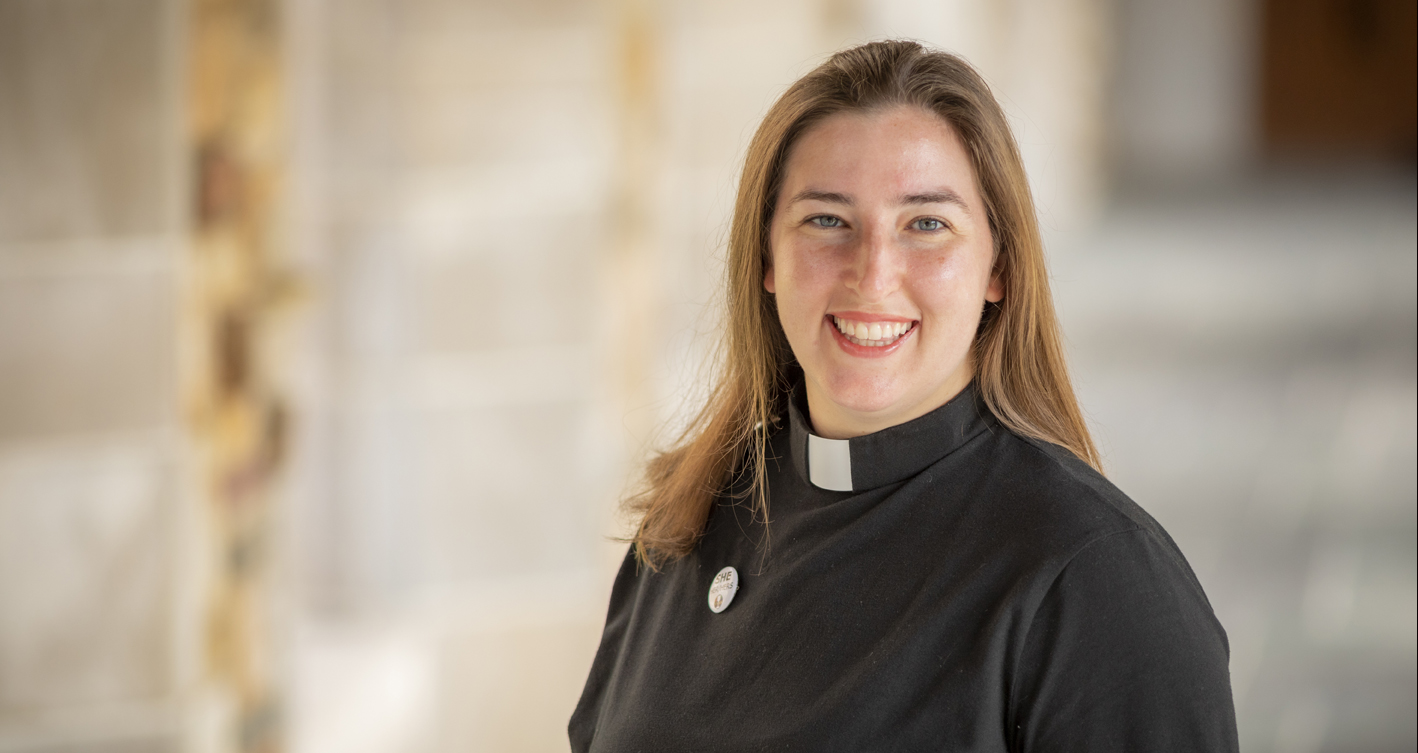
[233, 292]
[633, 262]
[465, 154]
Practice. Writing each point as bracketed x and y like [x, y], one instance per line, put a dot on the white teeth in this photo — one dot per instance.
[875, 335]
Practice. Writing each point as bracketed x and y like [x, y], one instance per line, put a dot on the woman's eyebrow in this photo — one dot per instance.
[945, 196]
[830, 197]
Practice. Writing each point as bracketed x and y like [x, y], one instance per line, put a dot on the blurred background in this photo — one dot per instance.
[330, 331]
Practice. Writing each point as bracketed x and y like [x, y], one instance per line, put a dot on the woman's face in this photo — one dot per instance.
[882, 263]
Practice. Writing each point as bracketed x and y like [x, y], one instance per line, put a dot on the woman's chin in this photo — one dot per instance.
[869, 399]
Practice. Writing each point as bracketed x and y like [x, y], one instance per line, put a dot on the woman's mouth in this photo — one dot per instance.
[872, 334]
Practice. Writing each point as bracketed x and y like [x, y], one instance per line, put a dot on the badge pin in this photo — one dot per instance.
[722, 590]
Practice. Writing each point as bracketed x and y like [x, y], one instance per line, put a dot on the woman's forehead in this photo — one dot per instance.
[896, 153]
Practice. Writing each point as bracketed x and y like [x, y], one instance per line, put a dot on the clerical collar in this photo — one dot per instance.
[889, 456]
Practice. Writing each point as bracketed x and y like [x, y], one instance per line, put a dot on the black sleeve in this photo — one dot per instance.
[581, 729]
[1124, 654]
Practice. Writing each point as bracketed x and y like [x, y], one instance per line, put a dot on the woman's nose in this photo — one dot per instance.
[876, 272]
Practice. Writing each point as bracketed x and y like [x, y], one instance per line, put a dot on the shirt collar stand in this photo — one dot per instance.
[889, 456]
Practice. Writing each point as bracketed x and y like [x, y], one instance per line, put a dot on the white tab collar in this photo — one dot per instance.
[829, 463]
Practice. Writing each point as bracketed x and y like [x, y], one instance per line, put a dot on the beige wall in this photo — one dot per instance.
[90, 469]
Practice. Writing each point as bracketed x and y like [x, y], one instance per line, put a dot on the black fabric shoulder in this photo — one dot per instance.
[1123, 653]
[1083, 482]
[583, 721]
[1089, 491]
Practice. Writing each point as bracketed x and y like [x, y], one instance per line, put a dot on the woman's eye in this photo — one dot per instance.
[826, 220]
[928, 224]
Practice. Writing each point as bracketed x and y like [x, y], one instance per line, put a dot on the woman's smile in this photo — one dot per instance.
[864, 336]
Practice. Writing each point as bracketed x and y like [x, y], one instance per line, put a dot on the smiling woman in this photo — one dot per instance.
[882, 259]
[948, 569]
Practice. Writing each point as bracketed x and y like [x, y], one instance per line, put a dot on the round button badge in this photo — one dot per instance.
[722, 590]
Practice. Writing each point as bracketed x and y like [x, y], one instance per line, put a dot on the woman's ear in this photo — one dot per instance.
[994, 292]
[768, 281]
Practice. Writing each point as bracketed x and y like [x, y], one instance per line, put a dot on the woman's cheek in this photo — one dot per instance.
[819, 263]
[812, 274]
[957, 268]
[948, 292]
[936, 273]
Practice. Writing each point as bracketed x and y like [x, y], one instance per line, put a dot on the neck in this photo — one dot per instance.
[833, 421]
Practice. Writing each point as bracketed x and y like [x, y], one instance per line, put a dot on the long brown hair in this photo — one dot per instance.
[1018, 357]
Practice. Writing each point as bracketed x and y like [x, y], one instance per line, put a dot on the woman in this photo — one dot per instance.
[946, 568]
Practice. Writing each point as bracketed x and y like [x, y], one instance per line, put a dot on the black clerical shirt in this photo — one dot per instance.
[975, 591]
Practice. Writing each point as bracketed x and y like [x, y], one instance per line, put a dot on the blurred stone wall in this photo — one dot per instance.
[137, 425]
[460, 438]
[90, 450]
